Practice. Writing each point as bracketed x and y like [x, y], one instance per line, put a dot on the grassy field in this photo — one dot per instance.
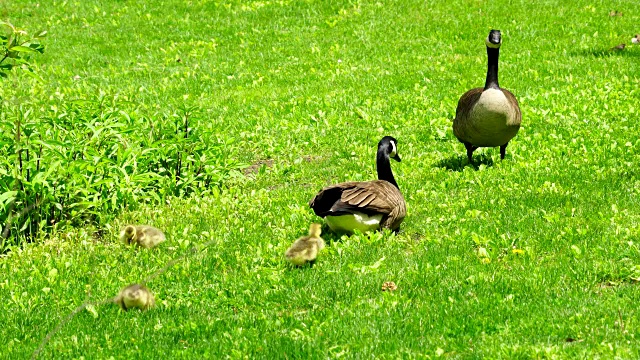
[290, 96]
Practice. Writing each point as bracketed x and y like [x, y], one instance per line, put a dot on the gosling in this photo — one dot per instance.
[305, 249]
[143, 235]
[135, 296]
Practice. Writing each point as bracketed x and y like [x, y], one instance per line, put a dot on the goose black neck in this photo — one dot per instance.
[384, 168]
[492, 69]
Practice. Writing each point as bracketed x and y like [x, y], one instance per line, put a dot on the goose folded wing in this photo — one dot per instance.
[466, 102]
[372, 197]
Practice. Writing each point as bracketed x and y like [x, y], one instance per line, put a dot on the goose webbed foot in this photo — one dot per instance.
[503, 151]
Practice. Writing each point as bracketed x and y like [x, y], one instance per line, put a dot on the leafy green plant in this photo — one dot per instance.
[15, 47]
[83, 162]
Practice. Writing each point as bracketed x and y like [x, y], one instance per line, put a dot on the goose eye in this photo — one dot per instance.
[394, 151]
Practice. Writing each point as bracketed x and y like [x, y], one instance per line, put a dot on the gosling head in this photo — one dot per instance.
[635, 39]
[128, 234]
[389, 147]
[315, 230]
[494, 40]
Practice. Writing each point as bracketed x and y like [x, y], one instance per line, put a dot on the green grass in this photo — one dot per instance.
[308, 88]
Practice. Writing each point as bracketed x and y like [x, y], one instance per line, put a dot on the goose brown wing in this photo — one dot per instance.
[461, 127]
[370, 197]
[466, 102]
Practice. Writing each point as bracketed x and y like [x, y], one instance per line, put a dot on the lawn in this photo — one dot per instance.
[285, 97]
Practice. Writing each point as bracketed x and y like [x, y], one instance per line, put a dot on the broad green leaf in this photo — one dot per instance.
[7, 197]
[21, 48]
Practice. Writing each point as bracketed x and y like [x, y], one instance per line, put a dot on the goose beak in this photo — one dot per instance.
[396, 158]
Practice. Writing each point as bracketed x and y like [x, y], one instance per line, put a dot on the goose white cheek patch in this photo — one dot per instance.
[394, 150]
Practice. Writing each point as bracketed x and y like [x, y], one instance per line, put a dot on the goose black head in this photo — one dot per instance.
[389, 146]
[494, 40]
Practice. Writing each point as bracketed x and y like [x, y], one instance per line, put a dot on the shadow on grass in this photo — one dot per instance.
[604, 53]
[458, 163]
[330, 236]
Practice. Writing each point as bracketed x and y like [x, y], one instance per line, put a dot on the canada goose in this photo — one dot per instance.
[306, 248]
[135, 296]
[489, 116]
[365, 205]
[618, 47]
[143, 235]
[635, 39]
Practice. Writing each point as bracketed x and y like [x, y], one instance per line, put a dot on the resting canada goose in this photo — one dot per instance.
[143, 235]
[489, 116]
[618, 47]
[635, 39]
[365, 205]
[135, 296]
[306, 248]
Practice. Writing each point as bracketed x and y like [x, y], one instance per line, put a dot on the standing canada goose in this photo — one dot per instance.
[635, 39]
[618, 47]
[135, 296]
[143, 235]
[365, 205]
[306, 248]
[489, 116]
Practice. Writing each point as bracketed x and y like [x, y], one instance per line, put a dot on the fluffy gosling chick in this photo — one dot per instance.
[636, 39]
[143, 235]
[135, 296]
[306, 248]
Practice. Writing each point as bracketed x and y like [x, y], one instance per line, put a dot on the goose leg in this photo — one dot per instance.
[503, 151]
[470, 150]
